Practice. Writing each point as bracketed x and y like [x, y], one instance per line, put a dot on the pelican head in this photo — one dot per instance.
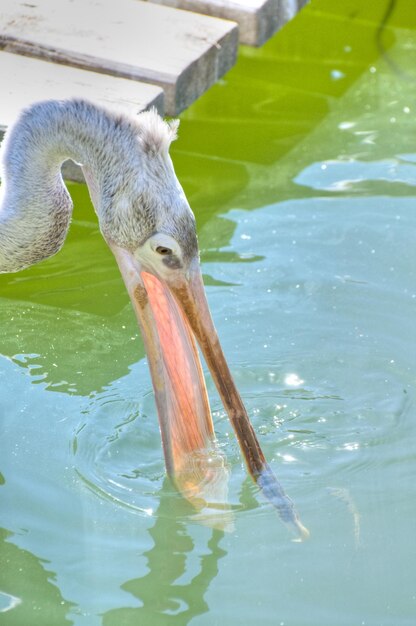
[150, 227]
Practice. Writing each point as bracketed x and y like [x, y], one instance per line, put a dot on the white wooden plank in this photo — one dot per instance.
[289, 8]
[25, 80]
[180, 51]
[258, 20]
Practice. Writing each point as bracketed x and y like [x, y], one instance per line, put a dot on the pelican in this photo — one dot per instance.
[147, 222]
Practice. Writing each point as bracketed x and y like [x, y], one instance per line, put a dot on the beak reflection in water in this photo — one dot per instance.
[173, 315]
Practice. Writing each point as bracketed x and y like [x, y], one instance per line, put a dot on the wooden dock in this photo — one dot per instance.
[130, 54]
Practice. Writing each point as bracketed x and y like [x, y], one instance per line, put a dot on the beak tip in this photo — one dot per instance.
[275, 493]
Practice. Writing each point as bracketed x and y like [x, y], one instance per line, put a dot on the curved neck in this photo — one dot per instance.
[35, 206]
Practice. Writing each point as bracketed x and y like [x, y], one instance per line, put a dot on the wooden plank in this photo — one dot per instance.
[180, 51]
[25, 80]
[289, 8]
[258, 20]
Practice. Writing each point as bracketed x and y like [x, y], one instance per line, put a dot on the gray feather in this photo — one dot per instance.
[127, 167]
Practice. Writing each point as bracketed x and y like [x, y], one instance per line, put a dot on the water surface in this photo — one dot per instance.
[301, 169]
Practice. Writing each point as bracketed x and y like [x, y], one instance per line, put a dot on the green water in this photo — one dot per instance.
[301, 169]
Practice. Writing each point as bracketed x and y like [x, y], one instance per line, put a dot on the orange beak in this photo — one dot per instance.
[172, 314]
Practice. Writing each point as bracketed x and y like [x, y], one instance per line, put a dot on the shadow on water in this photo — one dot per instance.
[164, 600]
[28, 590]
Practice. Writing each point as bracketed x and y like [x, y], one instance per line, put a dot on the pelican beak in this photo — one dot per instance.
[173, 315]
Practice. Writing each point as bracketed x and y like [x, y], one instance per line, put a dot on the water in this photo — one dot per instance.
[301, 168]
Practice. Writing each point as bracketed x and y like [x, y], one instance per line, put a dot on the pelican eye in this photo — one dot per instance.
[163, 250]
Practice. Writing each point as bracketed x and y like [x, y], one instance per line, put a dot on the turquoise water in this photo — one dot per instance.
[301, 169]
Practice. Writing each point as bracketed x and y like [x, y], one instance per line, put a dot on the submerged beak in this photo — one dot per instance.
[173, 314]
